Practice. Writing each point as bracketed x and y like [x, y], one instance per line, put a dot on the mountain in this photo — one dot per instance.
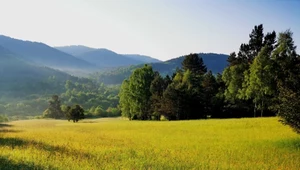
[75, 50]
[214, 62]
[142, 58]
[105, 58]
[42, 54]
[18, 77]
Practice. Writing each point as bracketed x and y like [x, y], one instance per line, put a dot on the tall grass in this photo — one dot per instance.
[260, 143]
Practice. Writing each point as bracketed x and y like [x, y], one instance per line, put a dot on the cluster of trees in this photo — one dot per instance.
[56, 111]
[263, 77]
[99, 100]
[189, 94]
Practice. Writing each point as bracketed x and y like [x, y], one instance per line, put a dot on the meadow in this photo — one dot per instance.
[250, 143]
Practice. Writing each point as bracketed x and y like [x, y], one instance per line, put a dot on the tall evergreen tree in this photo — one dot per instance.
[195, 64]
[158, 86]
[218, 100]
[174, 96]
[287, 76]
[256, 41]
[210, 89]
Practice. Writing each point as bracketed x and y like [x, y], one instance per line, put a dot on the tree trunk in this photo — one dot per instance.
[262, 109]
[255, 109]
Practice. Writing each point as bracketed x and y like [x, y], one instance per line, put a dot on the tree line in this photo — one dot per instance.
[97, 99]
[261, 79]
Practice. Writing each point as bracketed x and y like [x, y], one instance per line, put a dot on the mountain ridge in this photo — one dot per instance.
[93, 55]
[17, 75]
[42, 54]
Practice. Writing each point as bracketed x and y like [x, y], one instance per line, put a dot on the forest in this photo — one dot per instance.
[97, 99]
[261, 79]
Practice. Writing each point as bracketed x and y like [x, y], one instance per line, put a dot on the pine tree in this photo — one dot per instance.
[195, 64]
[287, 76]
[157, 88]
[210, 89]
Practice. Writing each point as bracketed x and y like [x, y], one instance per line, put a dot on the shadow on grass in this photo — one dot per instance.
[4, 128]
[6, 164]
[14, 143]
[9, 131]
[4, 125]
[19, 143]
[293, 144]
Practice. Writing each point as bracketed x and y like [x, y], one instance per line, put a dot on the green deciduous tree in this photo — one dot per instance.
[125, 100]
[260, 84]
[135, 94]
[75, 113]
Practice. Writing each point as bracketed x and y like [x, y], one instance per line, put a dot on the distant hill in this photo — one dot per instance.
[18, 76]
[45, 55]
[105, 58]
[142, 58]
[214, 62]
[75, 50]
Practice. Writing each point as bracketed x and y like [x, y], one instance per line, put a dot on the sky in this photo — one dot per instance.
[162, 29]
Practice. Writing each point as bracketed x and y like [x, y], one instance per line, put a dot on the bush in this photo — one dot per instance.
[3, 118]
[113, 112]
[99, 112]
[163, 118]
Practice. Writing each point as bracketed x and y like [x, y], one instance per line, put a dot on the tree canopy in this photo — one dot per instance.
[264, 75]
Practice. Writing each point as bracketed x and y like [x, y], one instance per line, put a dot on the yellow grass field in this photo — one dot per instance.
[258, 143]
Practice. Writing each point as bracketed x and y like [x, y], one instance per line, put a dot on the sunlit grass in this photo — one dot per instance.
[261, 143]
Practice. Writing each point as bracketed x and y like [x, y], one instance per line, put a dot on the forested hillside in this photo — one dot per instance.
[214, 62]
[25, 89]
[44, 55]
[20, 78]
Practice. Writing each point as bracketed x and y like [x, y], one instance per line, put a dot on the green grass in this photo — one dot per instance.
[260, 143]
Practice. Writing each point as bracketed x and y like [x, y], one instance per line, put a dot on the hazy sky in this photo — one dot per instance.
[162, 29]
